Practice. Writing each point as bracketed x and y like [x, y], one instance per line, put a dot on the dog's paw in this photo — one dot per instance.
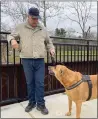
[68, 114]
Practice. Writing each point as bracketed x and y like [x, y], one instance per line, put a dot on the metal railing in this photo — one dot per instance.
[77, 54]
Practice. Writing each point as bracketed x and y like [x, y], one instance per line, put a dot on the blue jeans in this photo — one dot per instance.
[34, 70]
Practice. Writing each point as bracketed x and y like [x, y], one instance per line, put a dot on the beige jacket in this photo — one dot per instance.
[33, 42]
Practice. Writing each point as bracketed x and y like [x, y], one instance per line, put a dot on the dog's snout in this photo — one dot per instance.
[49, 67]
[50, 71]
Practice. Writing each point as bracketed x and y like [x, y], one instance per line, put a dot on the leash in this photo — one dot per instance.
[53, 60]
[48, 76]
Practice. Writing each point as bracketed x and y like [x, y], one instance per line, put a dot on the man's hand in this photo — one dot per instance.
[52, 52]
[14, 44]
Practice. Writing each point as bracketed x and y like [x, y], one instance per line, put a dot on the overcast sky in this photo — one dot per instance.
[52, 23]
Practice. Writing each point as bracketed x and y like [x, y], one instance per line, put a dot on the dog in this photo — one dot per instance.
[78, 94]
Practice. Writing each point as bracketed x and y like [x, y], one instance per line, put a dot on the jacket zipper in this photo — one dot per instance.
[32, 34]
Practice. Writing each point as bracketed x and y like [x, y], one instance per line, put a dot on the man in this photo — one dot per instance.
[34, 40]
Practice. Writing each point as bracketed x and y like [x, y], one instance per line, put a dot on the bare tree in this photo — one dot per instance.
[50, 10]
[80, 14]
[4, 27]
[18, 10]
[92, 35]
[70, 32]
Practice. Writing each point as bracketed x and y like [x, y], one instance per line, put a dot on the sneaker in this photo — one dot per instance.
[29, 107]
[43, 109]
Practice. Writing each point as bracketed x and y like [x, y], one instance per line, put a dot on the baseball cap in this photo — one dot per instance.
[34, 12]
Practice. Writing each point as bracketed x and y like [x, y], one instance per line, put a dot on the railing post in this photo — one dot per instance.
[0, 54]
[87, 57]
[0, 73]
[97, 58]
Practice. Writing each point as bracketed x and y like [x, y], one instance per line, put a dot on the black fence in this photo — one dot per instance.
[77, 54]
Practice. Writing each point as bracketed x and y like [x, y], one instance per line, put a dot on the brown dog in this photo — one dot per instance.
[78, 94]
